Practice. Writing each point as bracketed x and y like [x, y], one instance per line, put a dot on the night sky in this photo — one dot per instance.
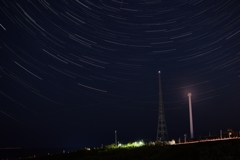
[73, 72]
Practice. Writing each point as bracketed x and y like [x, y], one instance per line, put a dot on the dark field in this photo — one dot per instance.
[229, 149]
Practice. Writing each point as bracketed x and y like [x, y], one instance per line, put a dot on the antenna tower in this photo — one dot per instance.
[162, 133]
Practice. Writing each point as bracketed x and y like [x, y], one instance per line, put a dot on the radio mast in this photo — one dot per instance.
[162, 133]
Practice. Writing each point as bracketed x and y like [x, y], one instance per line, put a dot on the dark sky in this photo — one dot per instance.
[73, 72]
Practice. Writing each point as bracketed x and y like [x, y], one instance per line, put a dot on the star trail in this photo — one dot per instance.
[73, 72]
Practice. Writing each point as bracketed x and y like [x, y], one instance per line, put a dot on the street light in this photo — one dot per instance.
[229, 134]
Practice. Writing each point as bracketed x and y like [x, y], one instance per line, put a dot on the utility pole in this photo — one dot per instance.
[116, 138]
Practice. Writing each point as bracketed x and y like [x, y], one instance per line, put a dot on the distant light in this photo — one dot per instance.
[189, 94]
[159, 71]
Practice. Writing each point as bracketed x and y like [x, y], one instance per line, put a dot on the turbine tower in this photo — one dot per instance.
[162, 133]
[190, 114]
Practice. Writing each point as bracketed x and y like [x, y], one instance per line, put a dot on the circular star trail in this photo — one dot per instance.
[73, 72]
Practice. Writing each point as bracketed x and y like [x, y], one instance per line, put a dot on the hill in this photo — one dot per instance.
[229, 149]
